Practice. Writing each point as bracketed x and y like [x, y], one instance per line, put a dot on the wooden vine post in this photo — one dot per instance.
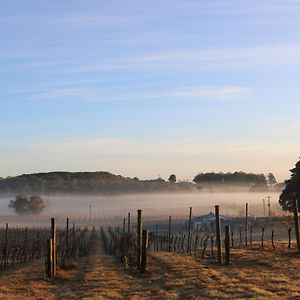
[296, 222]
[5, 250]
[53, 237]
[189, 232]
[227, 245]
[73, 239]
[25, 244]
[67, 236]
[156, 236]
[246, 226]
[124, 228]
[128, 223]
[262, 237]
[212, 245]
[49, 262]
[218, 234]
[272, 239]
[139, 237]
[144, 250]
[169, 234]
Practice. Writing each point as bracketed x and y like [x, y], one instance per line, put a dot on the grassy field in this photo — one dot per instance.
[256, 274]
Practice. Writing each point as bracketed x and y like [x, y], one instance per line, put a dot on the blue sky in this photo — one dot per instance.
[148, 88]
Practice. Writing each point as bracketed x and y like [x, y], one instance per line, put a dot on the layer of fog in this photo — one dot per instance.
[112, 209]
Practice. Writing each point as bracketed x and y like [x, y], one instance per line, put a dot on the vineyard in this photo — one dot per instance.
[24, 245]
[171, 259]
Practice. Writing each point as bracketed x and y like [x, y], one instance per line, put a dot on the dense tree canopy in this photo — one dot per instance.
[27, 205]
[172, 178]
[271, 179]
[231, 178]
[84, 183]
[292, 190]
[107, 183]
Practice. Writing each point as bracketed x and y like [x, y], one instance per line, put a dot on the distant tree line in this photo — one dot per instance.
[105, 182]
[231, 178]
[86, 183]
[256, 182]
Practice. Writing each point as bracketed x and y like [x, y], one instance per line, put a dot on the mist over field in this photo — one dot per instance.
[112, 209]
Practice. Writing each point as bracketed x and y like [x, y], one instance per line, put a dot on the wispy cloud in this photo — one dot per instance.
[184, 93]
[221, 58]
[64, 93]
[200, 93]
[206, 59]
[215, 58]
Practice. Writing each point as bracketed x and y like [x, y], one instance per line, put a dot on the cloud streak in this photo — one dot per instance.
[184, 59]
[215, 58]
[185, 93]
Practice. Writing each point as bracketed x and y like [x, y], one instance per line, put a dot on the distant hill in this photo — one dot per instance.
[84, 183]
[107, 183]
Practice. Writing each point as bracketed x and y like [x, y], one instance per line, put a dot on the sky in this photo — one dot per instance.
[149, 88]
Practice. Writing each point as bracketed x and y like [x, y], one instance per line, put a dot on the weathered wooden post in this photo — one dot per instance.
[128, 223]
[25, 244]
[296, 222]
[49, 263]
[269, 206]
[67, 236]
[262, 237]
[169, 235]
[139, 237]
[218, 234]
[227, 245]
[246, 226]
[124, 228]
[73, 239]
[144, 250]
[5, 250]
[156, 236]
[272, 239]
[189, 232]
[289, 232]
[53, 237]
[90, 215]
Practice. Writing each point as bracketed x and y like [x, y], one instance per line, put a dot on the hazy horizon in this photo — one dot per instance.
[178, 179]
[111, 209]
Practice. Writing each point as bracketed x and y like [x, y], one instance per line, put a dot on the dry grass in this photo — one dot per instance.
[253, 274]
